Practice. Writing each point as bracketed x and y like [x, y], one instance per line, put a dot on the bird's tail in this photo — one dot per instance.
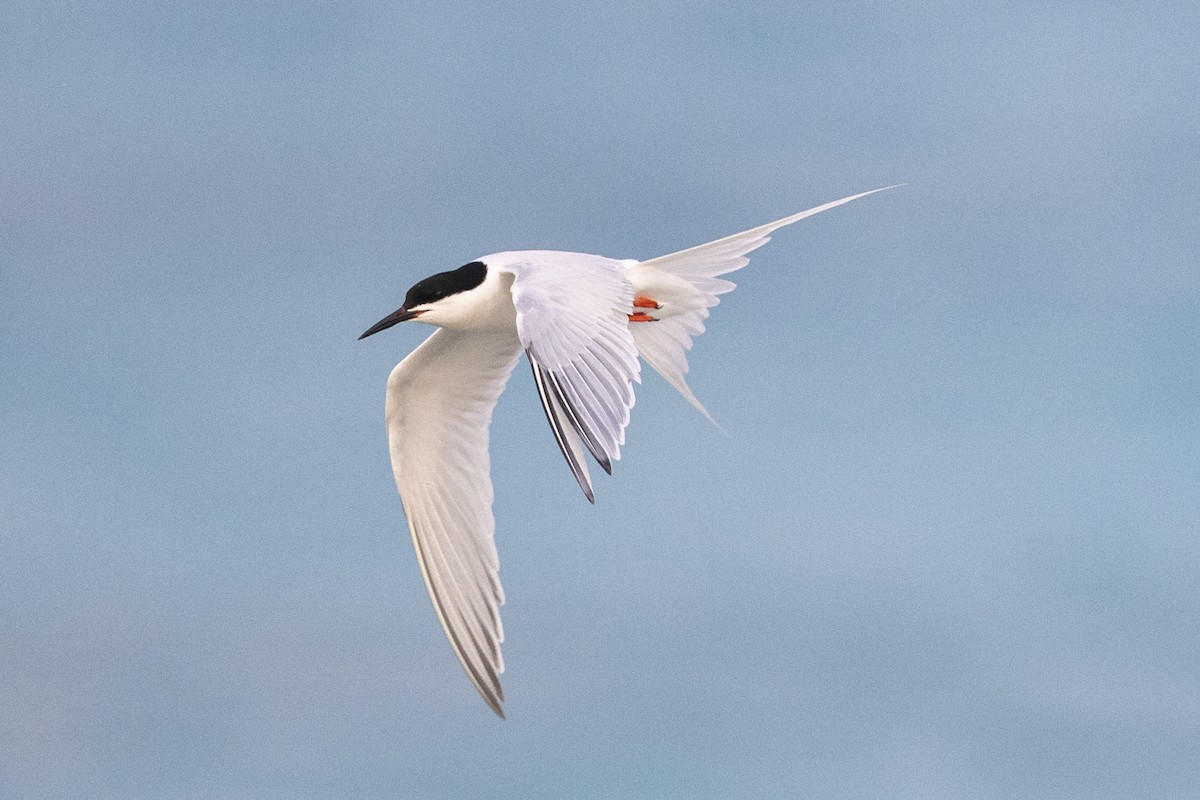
[685, 285]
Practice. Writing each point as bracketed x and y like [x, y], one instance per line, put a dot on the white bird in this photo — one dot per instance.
[583, 321]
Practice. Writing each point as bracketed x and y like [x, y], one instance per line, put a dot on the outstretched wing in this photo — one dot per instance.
[439, 407]
[687, 285]
[573, 321]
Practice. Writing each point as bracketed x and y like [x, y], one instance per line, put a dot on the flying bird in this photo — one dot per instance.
[583, 321]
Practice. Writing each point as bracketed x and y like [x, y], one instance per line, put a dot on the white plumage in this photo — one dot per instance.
[583, 321]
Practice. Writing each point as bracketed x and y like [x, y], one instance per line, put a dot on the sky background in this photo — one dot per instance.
[945, 547]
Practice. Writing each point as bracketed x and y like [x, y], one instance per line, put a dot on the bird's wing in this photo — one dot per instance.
[572, 317]
[687, 285]
[439, 406]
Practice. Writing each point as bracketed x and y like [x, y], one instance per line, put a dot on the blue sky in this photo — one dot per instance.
[946, 546]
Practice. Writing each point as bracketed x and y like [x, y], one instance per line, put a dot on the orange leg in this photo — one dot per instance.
[644, 302]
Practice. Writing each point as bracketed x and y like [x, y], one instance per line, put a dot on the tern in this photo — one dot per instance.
[583, 321]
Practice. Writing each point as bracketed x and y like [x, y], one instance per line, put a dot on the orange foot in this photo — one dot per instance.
[639, 316]
[646, 302]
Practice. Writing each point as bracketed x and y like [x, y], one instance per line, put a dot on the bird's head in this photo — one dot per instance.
[441, 299]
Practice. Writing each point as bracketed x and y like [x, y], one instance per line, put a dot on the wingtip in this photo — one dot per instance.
[496, 700]
[493, 695]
